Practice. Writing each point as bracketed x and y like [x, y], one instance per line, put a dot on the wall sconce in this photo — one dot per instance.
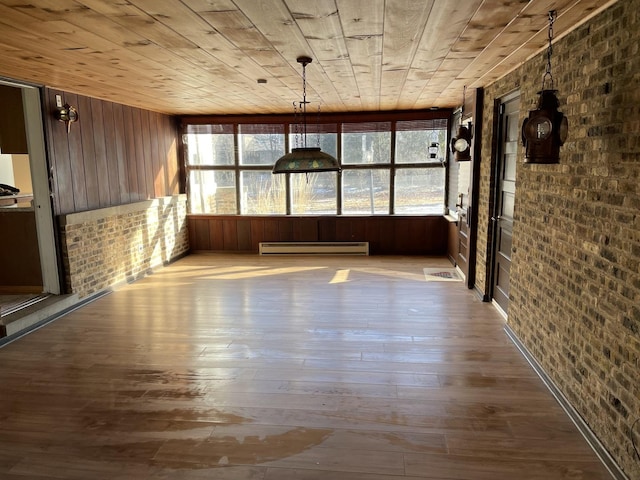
[545, 130]
[461, 143]
[67, 114]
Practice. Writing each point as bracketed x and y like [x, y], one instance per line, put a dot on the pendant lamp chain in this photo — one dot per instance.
[552, 19]
[464, 99]
[305, 159]
[304, 104]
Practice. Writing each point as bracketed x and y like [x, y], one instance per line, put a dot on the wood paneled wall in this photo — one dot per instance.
[113, 155]
[386, 235]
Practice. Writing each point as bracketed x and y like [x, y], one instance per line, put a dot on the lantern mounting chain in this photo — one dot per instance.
[552, 18]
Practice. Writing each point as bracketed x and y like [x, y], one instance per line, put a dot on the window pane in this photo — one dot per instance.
[365, 192]
[260, 144]
[412, 146]
[328, 141]
[366, 148]
[314, 193]
[419, 191]
[209, 149]
[212, 192]
[263, 193]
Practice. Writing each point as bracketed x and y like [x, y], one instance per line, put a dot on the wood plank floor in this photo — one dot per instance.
[281, 368]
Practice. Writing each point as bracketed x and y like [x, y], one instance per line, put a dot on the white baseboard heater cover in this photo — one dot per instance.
[314, 248]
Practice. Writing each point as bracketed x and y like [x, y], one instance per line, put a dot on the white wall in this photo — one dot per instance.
[6, 169]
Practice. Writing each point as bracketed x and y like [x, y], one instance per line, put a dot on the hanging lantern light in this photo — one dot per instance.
[433, 149]
[461, 143]
[546, 129]
[305, 159]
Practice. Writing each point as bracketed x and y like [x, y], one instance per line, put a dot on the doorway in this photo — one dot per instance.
[504, 199]
[28, 249]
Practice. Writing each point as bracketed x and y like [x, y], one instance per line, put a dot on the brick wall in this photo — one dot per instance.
[102, 248]
[575, 281]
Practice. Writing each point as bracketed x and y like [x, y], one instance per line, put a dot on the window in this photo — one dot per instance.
[387, 167]
[314, 193]
[366, 143]
[260, 144]
[262, 193]
[365, 192]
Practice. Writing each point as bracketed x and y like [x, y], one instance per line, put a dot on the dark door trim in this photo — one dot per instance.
[474, 190]
[494, 201]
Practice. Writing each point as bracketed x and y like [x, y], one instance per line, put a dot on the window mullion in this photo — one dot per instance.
[392, 170]
[287, 179]
[236, 167]
[339, 174]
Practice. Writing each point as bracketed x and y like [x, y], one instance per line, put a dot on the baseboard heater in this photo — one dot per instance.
[314, 248]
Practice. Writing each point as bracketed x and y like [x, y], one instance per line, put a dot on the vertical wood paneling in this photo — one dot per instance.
[358, 228]
[386, 235]
[114, 154]
[191, 228]
[120, 160]
[138, 144]
[111, 153]
[230, 234]
[175, 165]
[305, 229]
[156, 162]
[162, 156]
[243, 227]
[100, 153]
[386, 240]
[372, 234]
[76, 160]
[63, 180]
[326, 228]
[216, 235]
[257, 233]
[88, 154]
[416, 237]
[271, 230]
[401, 238]
[147, 153]
[201, 239]
[131, 154]
[285, 230]
[343, 229]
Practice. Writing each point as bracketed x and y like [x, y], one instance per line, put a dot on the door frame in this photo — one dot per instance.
[496, 150]
[474, 187]
[42, 200]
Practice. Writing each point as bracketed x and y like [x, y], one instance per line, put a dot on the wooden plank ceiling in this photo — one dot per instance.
[206, 56]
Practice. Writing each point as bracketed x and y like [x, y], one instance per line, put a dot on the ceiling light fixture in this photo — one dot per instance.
[305, 159]
[545, 130]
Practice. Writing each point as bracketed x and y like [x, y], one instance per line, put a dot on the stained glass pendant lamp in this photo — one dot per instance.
[305, 159]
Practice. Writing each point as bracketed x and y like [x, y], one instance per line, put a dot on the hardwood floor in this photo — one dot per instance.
[282, 368]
